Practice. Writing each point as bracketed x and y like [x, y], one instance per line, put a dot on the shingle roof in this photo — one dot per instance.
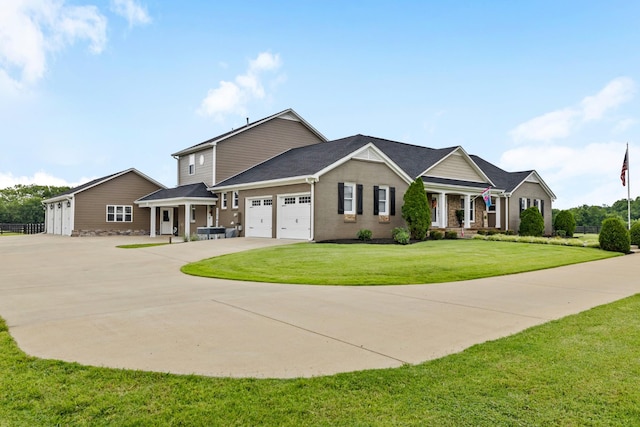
[88, 184]
[501, 178]
[458, 182]
[198, 190]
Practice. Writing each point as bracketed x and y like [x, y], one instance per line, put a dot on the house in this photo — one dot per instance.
[102, 206]
[191, 204]
[331, 190]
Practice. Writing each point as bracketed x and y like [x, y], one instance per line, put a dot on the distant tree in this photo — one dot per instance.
[22, 204]
[415, 210]
[564, 221]
[531, 222]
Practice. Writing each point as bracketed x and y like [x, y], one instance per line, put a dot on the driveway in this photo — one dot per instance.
[84, 300]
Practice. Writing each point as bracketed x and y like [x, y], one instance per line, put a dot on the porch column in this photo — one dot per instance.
[506, 213]
[443, 210]
[187, 221]
[152, 232]
[467, 208]
[498, 212]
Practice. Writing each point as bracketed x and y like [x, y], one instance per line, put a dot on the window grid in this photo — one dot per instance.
[349, 198]
[304, 199]
[236, 199]
[119, 213]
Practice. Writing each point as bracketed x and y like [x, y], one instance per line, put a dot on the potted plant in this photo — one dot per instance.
[460, 216]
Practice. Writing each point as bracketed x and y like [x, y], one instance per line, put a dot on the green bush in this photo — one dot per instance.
[401, 235]
[531, 222]
[614, 236]
[436, 235]
[564, 221]
[452, 235]
[416, 211]
[635, 233]
[364, 235]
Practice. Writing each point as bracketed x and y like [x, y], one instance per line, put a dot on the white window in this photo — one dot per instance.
[492, 208]
[193, 214]
[471, 210]
[523, 204]
[119, 213]
[349, 198]
[224, 200]
[236, 200]
[192, 164]
[383, 200]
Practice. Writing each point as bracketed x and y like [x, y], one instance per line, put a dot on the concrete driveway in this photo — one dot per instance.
[84, 300]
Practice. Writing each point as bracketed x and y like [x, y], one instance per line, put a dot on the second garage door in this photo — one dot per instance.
[294, 216]
[258, 217]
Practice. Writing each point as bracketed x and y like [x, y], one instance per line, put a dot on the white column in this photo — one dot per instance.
[152, 232]
[498, 215]
[467, 208]
[187, 221]
[506, 213]
[443, 210]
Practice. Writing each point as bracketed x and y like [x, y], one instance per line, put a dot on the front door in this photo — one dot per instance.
[166, 221]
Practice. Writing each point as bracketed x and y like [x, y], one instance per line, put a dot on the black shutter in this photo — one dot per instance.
[542, 207]
[376, 199]
[529, 203]
[341, 197]
[392, 200]
[521, 199]
[359, 199]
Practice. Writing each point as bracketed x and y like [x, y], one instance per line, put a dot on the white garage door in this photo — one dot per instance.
[258, 217]
[294, 217]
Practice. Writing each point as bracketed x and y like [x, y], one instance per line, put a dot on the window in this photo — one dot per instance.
[119, 213]
[256, 202]
[471, 211]
[289, 200]
[236, 200]
[193, 214]
[267, 202]
[523, 204]
[192, 164]
[349, 198]
[304, 199]
[224, 200]
[492, 208]
[381, 200]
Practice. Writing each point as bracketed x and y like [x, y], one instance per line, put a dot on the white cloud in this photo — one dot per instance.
[39, 178]
[132, 11]
[233, 97]
[32, 29]
[562, 123]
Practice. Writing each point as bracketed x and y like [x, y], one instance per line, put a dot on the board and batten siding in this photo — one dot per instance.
[91, 204]
[258, 144]
[203, 172]
[455, 167]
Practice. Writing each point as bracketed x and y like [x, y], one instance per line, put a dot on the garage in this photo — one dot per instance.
[258, 217]
[294, 216]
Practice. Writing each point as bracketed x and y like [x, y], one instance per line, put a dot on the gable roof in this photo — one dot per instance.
[285, 114]
[75, 190]
[197, 190]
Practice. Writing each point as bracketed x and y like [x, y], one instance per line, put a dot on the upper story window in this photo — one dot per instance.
[236, 199]
[119, 213]
[192, 164]
[224, 201]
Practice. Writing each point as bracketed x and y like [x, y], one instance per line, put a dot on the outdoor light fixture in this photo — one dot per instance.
[59, 205]
[51, 206]
[68, 203]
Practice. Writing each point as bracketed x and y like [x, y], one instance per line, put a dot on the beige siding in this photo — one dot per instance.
[455, 167]
[529, 190]
[203, 172]
[331, 225]
[253, 146]
[91, 204]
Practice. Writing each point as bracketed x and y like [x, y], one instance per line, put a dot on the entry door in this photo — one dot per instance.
[166, 221]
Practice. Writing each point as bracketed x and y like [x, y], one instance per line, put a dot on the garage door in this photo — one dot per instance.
[294, 217]
[258, 217]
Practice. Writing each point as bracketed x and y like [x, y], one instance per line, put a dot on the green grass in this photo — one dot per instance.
[9, 233]
[580, 370]
[365, 264]
[141, 245]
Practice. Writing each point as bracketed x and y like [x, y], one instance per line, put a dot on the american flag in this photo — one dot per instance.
[625, 166]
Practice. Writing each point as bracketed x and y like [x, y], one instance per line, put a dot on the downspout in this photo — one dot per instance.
[311, 182]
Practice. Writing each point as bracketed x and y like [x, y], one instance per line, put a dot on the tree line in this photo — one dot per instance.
[22, 204]
[593, 215]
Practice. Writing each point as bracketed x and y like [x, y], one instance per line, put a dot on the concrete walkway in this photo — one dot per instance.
[84, 300]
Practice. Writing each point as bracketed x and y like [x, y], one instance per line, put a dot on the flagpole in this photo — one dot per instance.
[628, 191]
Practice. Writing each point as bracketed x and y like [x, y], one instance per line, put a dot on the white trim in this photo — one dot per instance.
[354, 198]
[280, 199]
[386, 201]
[175, 202]
[474, 165]
[235, 199]
[543, 184]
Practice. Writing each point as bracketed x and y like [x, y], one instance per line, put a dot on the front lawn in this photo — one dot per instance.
[580, 370]
[366, 264]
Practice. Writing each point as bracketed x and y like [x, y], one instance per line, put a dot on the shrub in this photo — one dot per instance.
[452, 235]
[561, 233]
[635, 233]
[614, 236]
[364, 234]
[415, 210]
[564, 221]
[436, 235]
[482, 232]
[401, 235]
[531, 222]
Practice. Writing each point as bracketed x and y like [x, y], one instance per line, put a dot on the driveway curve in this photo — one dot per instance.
[84, 300]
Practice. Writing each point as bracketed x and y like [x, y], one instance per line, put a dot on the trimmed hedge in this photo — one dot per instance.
[635, 233]
[614, 236]
[564, 221]
[531, 222]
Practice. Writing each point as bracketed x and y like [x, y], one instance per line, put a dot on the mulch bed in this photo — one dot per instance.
[369, 242]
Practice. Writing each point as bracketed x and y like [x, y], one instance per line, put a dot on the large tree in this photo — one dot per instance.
[415, 210]
[22, 204]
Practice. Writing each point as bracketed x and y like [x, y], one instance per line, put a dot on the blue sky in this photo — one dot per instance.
[89, 88]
